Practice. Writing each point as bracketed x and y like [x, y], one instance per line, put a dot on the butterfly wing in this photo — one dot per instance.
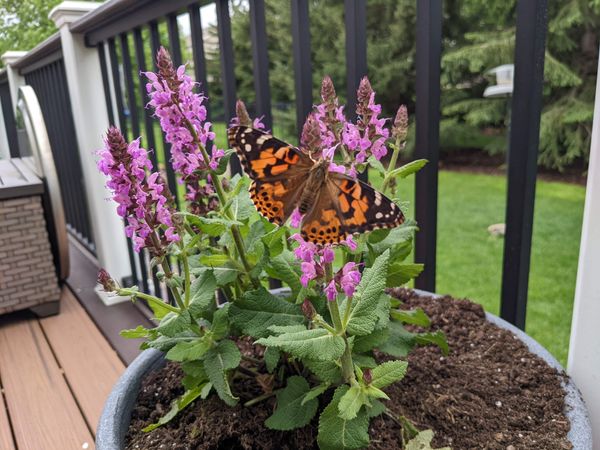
[279, 171]
[345, 206]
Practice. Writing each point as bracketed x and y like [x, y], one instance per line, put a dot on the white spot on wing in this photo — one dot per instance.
[379, 215]
[248, 147]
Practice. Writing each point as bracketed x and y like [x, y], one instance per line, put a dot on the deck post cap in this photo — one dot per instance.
[69, 11]
[11, 56]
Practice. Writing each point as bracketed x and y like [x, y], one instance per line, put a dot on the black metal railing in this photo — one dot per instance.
[114, 24]
[49, 82]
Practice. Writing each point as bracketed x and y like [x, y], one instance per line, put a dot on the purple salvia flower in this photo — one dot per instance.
[296, 218]
[139, 194]
[308, 273]
[331, 291]
[350, 278]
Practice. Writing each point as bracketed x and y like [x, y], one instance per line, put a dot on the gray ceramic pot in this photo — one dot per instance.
[116, 415]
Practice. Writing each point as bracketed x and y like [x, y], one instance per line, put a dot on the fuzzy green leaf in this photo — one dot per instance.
[173, 324]
[216, 260]
[180, 403]
[136, 333]
[408, 169]
[326, 371]
[257, 310]
[336, 433]
[434, 337]
[285, 268]
[189, 350]
[413, 316]
[224, 275]
[399, 341]
[315, 392]
[317, 344]
[351, 402]
[274, 241]
[400, 273]
[422, 441]
[291, 411]
[363, 316]
[272, 356]
[218, 360]
[202, 295]
[388, 373]
[220, 323]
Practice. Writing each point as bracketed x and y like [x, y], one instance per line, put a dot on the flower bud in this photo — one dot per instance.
[367, 376]
[308, 309]
[105, 280]
[242, 114]
[363, 96]
[311, 134]
[166, 71]
[328, 94]
[400, 126]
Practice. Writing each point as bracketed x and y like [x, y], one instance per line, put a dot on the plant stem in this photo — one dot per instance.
[391, 165]
[186, 269]
[334, 310]
[235, 231]
[167, 270]
[148, 298]
[259, 399]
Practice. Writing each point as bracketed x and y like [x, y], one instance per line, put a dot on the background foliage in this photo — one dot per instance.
[477, 36]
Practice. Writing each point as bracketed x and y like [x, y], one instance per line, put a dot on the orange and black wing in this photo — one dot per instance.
[279, 171]
[345, 206]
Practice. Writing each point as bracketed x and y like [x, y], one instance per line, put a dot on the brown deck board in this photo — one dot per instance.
[6, 439]
[42, 410]
[90, 365]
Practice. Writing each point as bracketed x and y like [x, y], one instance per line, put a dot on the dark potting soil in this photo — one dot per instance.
[490, 392]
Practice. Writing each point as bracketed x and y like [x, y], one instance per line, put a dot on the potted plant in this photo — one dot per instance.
[232, 364]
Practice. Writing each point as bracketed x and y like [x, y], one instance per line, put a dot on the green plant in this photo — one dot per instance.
[321, 332]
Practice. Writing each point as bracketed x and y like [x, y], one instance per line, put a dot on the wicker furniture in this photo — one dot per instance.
[27, 272]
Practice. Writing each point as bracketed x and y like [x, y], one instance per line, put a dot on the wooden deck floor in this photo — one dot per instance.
[55, 374]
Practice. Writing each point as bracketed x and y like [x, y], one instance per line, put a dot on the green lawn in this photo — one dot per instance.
[470, 260]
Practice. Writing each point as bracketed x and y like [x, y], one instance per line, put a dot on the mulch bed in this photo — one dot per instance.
[489, 393]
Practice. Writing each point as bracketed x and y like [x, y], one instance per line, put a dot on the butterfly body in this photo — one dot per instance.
[334, 205]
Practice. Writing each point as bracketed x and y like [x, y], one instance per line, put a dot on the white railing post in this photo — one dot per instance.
[90, 116]
[584, 349]
[15, 79]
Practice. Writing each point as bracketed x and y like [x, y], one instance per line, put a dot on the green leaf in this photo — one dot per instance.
[351, 402]
[220, 323]
[376, 409]
[376, 164]
[403, 233]
[173, 323]
[189, 350]
[179, 404]
[257, 310]
[413, 316]
[224, 161]
[158, 310]
[285, 268]
[364, 361]
[282, 329]
[336, 433]
[241, 206]
[218, 360]
[422, 441]
[224, 275]
[408, 169]
[272, 356]
[216, 260]
[373, 340]
[399, 342]
[213, 226]
[164, 343]
[202, 295]
[326, 371]
[400, 273]
[291, 411]
[317, 344]
[388, 373]
[367, 296]
[435, 337]
[315, 392]
[274, 241]
[136, 333]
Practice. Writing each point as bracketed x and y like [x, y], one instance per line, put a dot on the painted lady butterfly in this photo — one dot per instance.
[334, 205]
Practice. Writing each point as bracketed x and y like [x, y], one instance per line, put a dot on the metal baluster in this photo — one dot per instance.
[522, 157]
[260, 60]
[302, 63]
